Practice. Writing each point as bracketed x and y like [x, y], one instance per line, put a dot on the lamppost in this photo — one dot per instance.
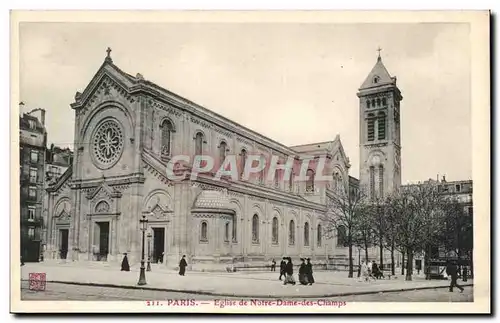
[142, 275]
[149, 252]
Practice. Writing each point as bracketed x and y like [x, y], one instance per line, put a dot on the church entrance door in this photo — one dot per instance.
[103, 241]
[158, 245]
[63, 243]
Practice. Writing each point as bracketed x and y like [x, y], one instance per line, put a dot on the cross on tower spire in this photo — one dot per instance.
[108, 57]
[379, 50]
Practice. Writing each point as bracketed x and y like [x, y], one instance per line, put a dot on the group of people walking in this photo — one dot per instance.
[182, 264]
[370, 270]
[286, 270]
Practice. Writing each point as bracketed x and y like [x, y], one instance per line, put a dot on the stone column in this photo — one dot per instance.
[91, 239]
[245, 240]
[135, 241]
[50, 217]
[76, 220]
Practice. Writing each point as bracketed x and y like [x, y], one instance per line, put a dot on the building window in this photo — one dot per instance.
[198, 144]
[341, 236]
[276, 179]
[457, 188]
[371, 127]
[166, 137]
[381, 181]
[290, 184]
[243, 161]
[31, 213]
[33, 175]
[306, 234]
[222, 152]
[34, 156]
[31, 233]
[204, 232]
[32, 192]
[275, 230]
[310, 181]
[261, 173]
[226, 232]
[291, 233]
[234, 229]
[255, 228]
[372, 182]
[32, 124]
[384, 102]
[378, 102]
[320, 235]
[368, 104]
[381, 126]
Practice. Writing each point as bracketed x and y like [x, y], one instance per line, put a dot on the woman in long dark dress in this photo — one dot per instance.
[182, 266]
[303, 272]
[309, 272]
[125, 265]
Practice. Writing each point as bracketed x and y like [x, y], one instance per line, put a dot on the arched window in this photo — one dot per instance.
[381, 181]
[291, 233]
[226, 232]
[261, 173]
[275, 230]
[234, 229]
[378, 102]
[198, 144]
[243, 161]
[276, 179]
[291, 182]
[381, 126]
[320, 235]
[306, 234]
[341, 236]
[372, 182]
[373, 103]
[368, 104]
[204, 231]
[384, 102]
[255, 228]
[222, 152]
[310, 181]
[166, 137]
[371, 127]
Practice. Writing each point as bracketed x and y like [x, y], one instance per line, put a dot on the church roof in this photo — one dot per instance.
[378, 76]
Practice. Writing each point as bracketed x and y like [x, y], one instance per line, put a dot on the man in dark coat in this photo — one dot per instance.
[303, 272]
[289, 272]
[182, 266]
[309, 272]
[125, 265]
[452, 271]
[282, 268]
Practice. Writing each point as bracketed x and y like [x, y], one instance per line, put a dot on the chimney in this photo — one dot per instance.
[42, 113]
[444, 179]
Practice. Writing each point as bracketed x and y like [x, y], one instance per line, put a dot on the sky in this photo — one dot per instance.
[294, 83]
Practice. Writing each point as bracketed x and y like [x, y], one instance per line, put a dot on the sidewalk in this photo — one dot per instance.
[251, 284]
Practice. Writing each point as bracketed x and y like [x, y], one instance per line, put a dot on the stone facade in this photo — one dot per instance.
[126, 131]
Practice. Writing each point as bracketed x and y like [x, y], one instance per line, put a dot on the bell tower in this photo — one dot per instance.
[379, 132]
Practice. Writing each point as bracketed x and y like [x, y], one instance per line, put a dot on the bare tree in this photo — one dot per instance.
[377, 218]
[418, 217]
[345, 206]
[457, 231]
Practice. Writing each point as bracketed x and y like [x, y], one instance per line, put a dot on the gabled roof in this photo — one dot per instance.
[378, 76]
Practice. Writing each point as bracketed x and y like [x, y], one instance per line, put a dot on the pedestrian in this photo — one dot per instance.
[309, 272]
[376, 272]
[365, 272]
[289, 272]
[125, 265]
[182, 266]
[273, 265]
[464, 273]
[303, 272]
[451, 270]
[282, 268]
[161, 257]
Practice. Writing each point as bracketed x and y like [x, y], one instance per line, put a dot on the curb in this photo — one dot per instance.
[197, 292]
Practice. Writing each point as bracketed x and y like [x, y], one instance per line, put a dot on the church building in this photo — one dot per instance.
[126, 131]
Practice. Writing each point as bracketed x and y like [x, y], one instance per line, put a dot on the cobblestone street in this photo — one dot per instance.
[56, 291]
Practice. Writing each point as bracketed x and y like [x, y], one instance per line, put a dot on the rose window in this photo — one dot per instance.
[108, 143]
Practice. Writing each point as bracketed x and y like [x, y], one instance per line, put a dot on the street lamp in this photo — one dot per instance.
[142, 275]
[149, 252]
